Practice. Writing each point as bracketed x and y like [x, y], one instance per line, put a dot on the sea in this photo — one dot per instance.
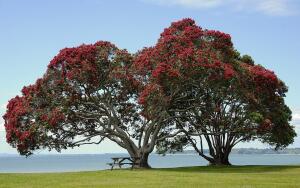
[92, 162]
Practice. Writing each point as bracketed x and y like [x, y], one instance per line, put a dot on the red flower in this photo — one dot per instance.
[228, 71]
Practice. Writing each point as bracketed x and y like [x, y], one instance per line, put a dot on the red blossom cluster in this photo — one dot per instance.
[263, 79]
[228, 71]
[182, 24]
[183, 30]
[16, 122]
[266, 125]
[219, 39]
[53, 118]
[145, 93]
[18, 118]
[24, 135]
[261, 74]
[20, 121]
[75, 60]
[27, 90]
[183, 50]
[80, 63]
[74, 56]
[142, 61]
[161, 68]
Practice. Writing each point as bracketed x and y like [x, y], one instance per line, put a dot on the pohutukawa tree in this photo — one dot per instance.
[87, 94]
[191, 87]
[213, 94]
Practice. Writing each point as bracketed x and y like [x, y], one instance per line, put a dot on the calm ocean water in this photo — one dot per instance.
[87, 162]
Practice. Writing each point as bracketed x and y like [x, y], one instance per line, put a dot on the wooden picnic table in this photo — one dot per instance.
[120, 161]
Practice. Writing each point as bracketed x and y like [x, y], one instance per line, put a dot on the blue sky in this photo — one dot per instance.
[32, 32]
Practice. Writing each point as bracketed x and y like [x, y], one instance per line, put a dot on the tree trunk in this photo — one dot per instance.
[142, 161]
[220, 162]
[220, 159]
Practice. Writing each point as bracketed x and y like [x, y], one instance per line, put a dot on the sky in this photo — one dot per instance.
[32, 32]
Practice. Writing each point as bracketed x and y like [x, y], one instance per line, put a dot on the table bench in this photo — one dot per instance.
[120, 161]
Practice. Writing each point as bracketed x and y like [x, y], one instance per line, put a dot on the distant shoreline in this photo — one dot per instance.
[249, 151]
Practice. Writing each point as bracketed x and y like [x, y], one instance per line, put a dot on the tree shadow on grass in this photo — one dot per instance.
[233, 169]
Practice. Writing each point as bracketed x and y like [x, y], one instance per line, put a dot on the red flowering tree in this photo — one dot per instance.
[87, 95]
[212, 93]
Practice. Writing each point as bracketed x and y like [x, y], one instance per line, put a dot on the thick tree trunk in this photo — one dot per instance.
[217, 157]
[220, 159]
[220, 162]
[142, 160]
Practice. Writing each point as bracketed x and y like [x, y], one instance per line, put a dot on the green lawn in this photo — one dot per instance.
[231, 177]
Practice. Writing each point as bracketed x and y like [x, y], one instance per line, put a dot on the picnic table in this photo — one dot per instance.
[120, 161]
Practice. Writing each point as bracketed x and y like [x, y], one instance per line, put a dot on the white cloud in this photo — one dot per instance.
[296, 118]
[189, 3]
[3, 107]
[2, 111]
[274, 7]
[269, 7]
[1, 124]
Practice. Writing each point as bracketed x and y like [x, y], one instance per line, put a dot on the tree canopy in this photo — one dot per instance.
[212, 92]
[86, 95]
[191, 87]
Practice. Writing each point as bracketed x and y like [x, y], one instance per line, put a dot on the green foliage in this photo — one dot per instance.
[256, 117]
[247, 59]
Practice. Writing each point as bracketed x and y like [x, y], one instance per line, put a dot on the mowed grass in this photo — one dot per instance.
[204, 176]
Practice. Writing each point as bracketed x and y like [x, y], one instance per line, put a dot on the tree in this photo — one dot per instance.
[87, 94]
[212, 93]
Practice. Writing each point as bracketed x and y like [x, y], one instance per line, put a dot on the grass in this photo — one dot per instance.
[204, 176]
